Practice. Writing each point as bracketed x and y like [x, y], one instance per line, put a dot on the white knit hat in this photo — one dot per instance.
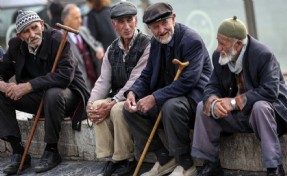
[25, 18]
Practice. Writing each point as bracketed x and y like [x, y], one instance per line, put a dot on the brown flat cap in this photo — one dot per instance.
[157, 12]
[123, 9]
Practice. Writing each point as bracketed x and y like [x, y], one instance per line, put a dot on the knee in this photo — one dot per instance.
[116, 113]
[171, 105]
[199, 108]
[261, 106]
[54, 95]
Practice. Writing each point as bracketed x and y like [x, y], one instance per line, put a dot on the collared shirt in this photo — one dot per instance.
[32, 50]
[121, 44]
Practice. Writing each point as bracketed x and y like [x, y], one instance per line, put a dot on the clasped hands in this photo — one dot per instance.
[100, 112]
[143, 105]
[222, 107]
[15, 91]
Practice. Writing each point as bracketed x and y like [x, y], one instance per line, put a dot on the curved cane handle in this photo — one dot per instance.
[181, 66]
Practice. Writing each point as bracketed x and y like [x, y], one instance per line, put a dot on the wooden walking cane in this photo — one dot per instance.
[40, 108]
[181, 66]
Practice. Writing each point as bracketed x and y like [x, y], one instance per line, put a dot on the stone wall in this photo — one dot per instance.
[237, 152]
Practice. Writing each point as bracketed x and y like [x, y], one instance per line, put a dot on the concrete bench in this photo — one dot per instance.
[238, 151]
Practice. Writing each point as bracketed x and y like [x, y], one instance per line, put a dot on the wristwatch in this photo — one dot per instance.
[233, 103]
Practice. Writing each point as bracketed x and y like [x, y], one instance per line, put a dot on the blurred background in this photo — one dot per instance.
[265, 19]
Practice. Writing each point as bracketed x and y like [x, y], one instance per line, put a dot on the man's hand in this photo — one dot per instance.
[146, 103]
[130, 104]
[100, 113]
[16, 91]
[222, 107]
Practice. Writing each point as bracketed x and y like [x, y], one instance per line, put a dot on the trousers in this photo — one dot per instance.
[261, 121]
[177, 118]
[113, 137]
[58, 103]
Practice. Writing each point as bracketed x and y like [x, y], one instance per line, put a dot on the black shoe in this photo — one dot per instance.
[110, 168]
[48, 161]
[12, 168]
[278, 171]
[211, 169]
[126, 168]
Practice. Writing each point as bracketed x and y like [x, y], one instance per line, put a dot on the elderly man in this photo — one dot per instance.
[246, 93]
[30, 58]
[156, 91]
[122, 64]
[86, 50]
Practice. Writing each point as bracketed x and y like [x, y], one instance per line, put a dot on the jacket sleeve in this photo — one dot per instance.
[194, 52]
[268, 74]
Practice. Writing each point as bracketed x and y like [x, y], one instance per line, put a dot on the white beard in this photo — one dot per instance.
[223, 60]
[168, 39]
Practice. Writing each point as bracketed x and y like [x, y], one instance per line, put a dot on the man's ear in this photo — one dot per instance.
[173, 18]
[113, 23]
[20, 36]
[42, 25]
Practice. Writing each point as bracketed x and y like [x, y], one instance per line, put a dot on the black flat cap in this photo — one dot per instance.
[157, 12]
[123, 9]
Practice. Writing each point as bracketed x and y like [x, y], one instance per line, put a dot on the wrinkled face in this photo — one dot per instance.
[163, 30]
[227, 48]
[125, 26]
[32, 34]
[73, 19]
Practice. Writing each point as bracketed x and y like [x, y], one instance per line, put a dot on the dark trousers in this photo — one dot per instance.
[57, 104]
[177, 118]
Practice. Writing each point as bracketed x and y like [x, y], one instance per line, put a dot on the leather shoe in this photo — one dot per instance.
[12, 168]
[109, 168]
[126, 168]
[211, 169]
[278, 171]
[48, 161]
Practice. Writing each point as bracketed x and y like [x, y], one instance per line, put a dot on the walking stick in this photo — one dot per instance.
[40, 108]
[181, 66]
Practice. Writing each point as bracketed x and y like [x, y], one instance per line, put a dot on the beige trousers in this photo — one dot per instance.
[113, 137]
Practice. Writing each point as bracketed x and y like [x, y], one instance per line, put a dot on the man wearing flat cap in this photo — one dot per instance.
[246, 93]
[30, 58]
[123, 62]
[156, 91]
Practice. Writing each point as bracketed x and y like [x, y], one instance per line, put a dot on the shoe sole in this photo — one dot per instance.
[48, 168]
[13, 172]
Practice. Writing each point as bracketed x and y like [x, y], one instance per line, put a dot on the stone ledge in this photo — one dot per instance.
[237, 152]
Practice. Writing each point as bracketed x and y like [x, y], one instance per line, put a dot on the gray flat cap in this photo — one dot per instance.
[157, 12]
[123, 9]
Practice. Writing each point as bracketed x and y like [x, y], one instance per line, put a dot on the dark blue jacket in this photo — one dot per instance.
[187, 46]
[262, 77]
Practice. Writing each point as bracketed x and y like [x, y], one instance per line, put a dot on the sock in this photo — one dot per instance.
[185, 161]
[163, 156]
[16, 145]
[52, 147]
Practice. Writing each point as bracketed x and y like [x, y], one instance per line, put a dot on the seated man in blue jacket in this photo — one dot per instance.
[156, 91]
[246, 93]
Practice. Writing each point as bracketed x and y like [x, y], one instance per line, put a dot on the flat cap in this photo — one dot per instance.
[157, 12]
[233, 28]
[123, 9]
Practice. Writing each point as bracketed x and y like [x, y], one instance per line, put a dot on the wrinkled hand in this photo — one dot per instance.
[146, 103]
[16, 91]
[130, 103]
[99, 113]
[100, 53]
[222, 107]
